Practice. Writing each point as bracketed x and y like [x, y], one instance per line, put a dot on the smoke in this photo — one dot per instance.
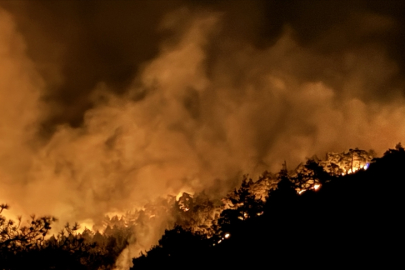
[20, 108]
[206, 107]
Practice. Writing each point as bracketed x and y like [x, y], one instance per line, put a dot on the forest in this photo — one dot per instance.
[341, 211]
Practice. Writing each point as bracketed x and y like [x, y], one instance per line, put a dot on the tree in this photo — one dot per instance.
[14, 237]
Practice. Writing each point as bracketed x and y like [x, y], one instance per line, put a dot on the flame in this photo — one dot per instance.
[115, 213]
[316, 187]
[227, 235]
[366, 166]
[181, 193]
[184, 201]
[350, 171]
[85, 224]
[355, 169]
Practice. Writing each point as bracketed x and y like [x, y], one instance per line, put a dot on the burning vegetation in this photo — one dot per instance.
[271, 217]
[346, 215]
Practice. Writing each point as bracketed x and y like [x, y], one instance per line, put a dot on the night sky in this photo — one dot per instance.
[106, 105]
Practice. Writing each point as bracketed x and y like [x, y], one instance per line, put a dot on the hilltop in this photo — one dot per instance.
[342, 210]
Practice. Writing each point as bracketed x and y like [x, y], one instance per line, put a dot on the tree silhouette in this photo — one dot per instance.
[28, 246]
[354, 218]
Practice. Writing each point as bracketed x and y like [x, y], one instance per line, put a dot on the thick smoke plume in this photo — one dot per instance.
[205, 108]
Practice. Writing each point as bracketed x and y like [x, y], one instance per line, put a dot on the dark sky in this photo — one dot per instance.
[106, 105]
[86, 42]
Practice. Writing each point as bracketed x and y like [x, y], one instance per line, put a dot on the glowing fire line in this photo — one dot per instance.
[350, 171]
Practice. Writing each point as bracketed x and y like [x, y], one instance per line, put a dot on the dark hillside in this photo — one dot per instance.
[321, 216]
[354, 220]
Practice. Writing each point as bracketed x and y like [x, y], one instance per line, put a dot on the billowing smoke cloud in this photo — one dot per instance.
[206, 108]
[20, 109]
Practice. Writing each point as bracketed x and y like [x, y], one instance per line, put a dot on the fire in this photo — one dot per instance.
[226, 236]
[182, 192]
[355, 169]
[115, 213]
[184, 201]
[85, 224]
[366, 166]
[316, 187]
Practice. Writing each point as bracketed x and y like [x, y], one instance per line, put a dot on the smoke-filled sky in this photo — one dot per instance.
[106, 105]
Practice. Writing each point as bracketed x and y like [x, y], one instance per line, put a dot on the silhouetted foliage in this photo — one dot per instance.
[352, 219]
[325, 214]
[28, 247]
